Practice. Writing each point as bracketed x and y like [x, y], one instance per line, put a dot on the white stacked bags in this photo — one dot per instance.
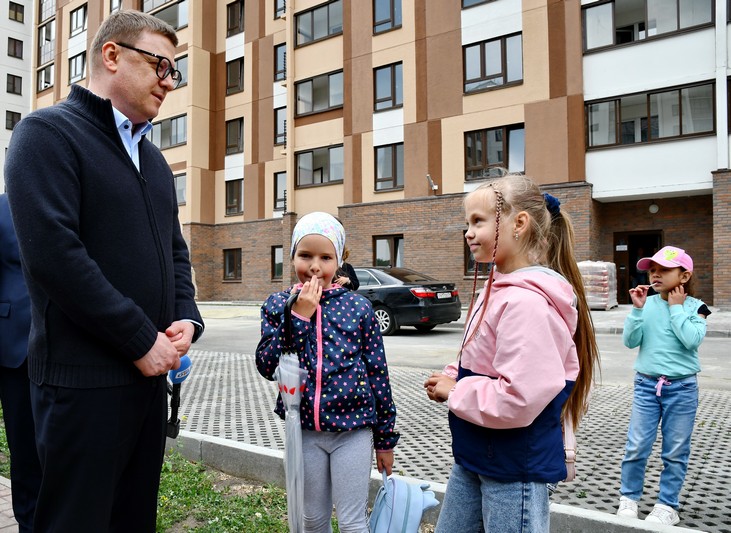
[600, 283]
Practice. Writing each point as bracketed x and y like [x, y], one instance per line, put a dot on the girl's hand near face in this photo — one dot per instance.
[639, 295]
[308, 298]
[677, 296]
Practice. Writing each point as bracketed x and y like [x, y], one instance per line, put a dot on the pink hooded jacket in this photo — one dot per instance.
[514, 376]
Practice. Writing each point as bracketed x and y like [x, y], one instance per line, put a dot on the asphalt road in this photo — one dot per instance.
[434, 349]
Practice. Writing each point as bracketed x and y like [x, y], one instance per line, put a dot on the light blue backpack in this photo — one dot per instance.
[399, 505]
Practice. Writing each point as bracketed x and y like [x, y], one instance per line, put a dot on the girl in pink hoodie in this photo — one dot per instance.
[526, 361]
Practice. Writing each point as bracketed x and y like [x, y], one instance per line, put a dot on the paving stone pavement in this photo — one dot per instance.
[227, 398]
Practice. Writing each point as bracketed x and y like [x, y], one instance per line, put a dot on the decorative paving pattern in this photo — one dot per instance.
[226, 397]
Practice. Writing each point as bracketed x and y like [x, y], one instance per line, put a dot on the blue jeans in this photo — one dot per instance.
[475, 503]
[676, 408]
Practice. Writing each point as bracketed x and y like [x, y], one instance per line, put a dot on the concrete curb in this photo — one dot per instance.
[267, 466]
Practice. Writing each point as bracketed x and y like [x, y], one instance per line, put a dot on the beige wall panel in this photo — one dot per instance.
[304, 5]
[318, 134]
[221, 23]
[265, 72]
[318, 58]
[274, 26]
[325, 198]
[361, 96]
[253, 191]
[536, 64]
[254, 13]
[441, 17]
[199, 91]
[265, 130]
[197, 148]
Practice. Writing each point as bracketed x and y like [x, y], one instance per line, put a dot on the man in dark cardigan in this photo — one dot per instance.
[109, 278]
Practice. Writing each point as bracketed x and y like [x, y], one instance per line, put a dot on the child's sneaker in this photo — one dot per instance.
[627, 507]
[662, 514]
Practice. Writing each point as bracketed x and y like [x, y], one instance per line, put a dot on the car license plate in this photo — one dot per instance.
[443, 295]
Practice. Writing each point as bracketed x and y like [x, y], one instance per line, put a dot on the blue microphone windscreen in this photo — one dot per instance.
[180, 374]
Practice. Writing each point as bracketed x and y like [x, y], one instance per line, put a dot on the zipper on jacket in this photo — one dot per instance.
[318, 368]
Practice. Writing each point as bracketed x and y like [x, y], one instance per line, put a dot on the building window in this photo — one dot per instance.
[388, 87]
[176, 15]
[495, 147]
[181, 65]
[386, 15]
[320, 166]
[389, 166]
[493, 63]
[280, 7]
[388, 251]
[280, 125]
[234, 197]
[234, 136]
[647, 117]
[46, 9]
[235, 76]
[11, 119]
[320, 93]
[235, 18]
[469, 263]
[470, 3]
[115, 5]
[46, 42]
[232, 264]
[78, 20]
[319, 23]
[15, 48]
[280, 191]
[180, 184]
[45, 78]
[280, 62]
[170, 132]
[77, 68]
[16, 12]
[628, 21]
[15, 84]
[277, 262]
[149, 5]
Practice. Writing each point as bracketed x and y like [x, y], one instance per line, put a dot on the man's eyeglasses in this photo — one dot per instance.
[164, 66]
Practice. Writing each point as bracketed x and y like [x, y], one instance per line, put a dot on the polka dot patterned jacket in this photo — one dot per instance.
[342, 350]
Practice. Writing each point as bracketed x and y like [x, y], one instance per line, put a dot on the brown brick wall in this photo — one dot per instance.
[433, 228]
[721, 243]
[686, 222]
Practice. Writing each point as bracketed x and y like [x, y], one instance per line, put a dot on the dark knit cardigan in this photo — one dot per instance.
[103, 255]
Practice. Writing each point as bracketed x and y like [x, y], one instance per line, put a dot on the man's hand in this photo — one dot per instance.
[180, 333]
[161, 358]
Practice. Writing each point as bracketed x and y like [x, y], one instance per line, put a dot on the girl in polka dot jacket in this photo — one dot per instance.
[346, 408]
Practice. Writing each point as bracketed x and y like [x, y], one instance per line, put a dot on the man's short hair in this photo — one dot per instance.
[126, 26]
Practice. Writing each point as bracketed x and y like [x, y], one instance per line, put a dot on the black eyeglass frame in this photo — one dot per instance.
[175, 74]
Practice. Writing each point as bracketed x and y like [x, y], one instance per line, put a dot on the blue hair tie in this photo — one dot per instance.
[553, 204]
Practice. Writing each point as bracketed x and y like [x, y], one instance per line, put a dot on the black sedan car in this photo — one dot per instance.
[403, 297]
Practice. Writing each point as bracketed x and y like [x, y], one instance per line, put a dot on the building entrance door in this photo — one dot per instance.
[630, 247]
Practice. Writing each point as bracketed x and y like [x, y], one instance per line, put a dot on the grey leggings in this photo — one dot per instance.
[337, 470]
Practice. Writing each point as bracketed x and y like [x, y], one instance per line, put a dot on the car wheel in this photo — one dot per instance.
[425, 327]
[386, 320]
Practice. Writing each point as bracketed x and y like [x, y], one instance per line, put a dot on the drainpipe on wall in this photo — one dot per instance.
[721, 32]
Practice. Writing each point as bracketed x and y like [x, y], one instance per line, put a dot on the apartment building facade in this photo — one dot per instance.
[385, 112]
[16, 28]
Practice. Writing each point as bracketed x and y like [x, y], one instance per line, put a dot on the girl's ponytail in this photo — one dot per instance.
[560, 257]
